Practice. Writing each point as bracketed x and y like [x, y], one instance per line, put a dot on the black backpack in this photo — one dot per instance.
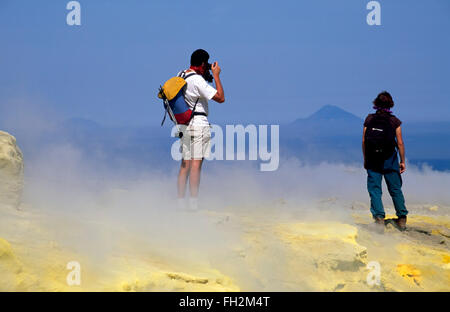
[379, 141]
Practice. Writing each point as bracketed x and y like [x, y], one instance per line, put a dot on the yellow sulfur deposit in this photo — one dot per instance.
[49, 274]
[267, 254]
[319, 231]
[409, 272]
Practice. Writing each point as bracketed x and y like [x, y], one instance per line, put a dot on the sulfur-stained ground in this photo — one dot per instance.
[268, 251]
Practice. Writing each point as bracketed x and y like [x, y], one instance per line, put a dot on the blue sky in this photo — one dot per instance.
[280, 60]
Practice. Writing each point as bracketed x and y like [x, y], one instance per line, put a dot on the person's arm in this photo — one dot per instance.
[401, 148]
[363, 145]
[220, 95]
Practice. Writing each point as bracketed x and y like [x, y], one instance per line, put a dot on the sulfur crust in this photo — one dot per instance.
[293, 256]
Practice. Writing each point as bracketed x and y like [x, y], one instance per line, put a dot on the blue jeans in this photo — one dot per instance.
[394, 183]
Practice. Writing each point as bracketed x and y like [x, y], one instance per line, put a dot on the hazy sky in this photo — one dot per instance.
[280, 59]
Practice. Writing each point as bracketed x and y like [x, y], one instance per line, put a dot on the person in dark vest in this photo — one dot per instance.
[381, 144]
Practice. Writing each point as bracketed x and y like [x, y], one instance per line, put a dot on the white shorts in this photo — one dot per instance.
[196, 142]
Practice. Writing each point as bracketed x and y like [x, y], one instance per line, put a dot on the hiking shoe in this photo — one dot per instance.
[193, 204]
[181, 204]
[379, 225]
[400, 222]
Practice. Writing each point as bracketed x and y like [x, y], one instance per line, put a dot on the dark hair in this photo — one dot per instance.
[198, 57]
[383, 100]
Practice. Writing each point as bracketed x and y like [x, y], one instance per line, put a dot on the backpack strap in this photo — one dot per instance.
[161, 91]
[193, 110]
[189, 75]
[164, 119]
[184, 75]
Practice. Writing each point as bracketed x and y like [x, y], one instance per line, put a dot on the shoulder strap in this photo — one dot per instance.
[189, 75]
[193, 110]
[185, 76]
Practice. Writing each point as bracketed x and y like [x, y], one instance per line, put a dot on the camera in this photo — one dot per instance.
[207, 75]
